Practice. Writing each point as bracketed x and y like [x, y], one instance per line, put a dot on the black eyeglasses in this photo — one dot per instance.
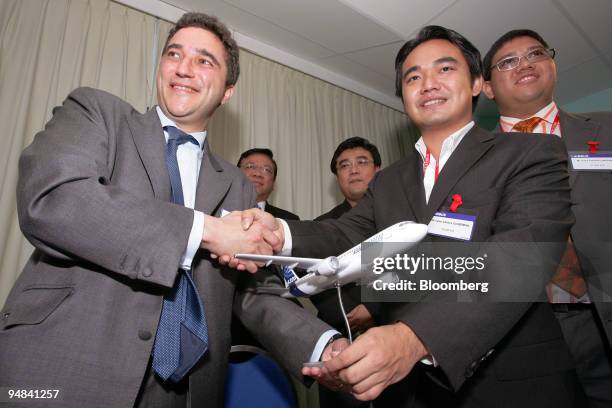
[535, 55]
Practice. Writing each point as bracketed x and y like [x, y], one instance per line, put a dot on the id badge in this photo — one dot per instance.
[585, 161]
[452, 225]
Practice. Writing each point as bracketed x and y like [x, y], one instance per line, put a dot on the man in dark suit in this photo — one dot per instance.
[259, 166]
[520, 75]
[354, 162]
[112, 254]
[459, 354]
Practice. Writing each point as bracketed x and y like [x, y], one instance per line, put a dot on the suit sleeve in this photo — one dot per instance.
[70, 210]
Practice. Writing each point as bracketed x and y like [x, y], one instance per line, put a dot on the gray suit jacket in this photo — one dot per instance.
[591, 192]
[93, 198]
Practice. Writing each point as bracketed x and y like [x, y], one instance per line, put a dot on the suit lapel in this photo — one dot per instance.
[151, 145]
[213, 184]
[474, 144]
[576, 131]
[412, 183]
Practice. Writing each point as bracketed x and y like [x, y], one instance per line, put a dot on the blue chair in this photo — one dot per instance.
[254, 379]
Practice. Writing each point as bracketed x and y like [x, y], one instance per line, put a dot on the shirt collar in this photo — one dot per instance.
[261, 205]
[548, 113]
[165, 121]
[450, 143]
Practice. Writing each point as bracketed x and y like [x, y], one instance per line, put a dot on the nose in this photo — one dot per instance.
[429, 83]
[524, 63]
[184, 68]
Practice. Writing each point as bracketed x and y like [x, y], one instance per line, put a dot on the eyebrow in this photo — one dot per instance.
[200, 51]
[439, 61]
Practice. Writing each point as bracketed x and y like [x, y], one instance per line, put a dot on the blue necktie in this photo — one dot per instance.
[182, 334]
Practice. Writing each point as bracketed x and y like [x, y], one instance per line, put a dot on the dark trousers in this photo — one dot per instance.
[592, 355]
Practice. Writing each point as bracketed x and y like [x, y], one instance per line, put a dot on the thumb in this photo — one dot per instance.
[248, 217]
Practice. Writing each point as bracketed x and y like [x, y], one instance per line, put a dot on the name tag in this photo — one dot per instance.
[452, 225]
[600, 161]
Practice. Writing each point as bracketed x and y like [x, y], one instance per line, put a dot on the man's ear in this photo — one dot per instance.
[487, 89]
[229, 91]
[477, 86]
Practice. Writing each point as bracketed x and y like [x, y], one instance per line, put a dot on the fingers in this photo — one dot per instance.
[370, 394]
[271, 239]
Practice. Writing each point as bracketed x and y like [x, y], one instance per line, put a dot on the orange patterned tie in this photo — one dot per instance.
[527, 125]
[568, 275]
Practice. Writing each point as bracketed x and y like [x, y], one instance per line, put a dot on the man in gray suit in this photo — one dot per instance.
[520, 75]
[113, 254]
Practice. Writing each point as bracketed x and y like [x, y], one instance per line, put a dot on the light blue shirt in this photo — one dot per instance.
[189, 158]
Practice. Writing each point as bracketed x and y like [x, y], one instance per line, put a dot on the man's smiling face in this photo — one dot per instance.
[191, 78]
[525, 89]
[437, 87]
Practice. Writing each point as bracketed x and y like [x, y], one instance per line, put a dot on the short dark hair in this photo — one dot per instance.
[258, 150]
[501, 41]
[434, 32]
[353, 143]
[212, 24]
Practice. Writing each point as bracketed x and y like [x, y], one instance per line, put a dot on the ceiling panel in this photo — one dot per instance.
[593, 18]
[379, 59]
[402, 17]
[326, 22]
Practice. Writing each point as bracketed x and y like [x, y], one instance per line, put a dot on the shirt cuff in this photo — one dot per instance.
[288, 244]
[321, 344]
[429, 360]
[195, 239]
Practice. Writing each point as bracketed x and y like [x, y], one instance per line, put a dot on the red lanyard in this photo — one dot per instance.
[555, 123]
[426, 164]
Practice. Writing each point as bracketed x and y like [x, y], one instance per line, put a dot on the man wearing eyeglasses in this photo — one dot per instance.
[260, 168]
[354, 163]
[520, 75]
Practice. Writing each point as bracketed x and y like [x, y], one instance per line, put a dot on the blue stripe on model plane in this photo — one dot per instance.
[293, 289]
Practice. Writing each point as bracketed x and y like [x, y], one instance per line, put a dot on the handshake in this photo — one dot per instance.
[251, 231]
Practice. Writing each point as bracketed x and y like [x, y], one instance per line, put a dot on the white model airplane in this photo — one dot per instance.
[332, 271]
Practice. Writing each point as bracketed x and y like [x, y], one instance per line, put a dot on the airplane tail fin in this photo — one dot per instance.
[289, 276]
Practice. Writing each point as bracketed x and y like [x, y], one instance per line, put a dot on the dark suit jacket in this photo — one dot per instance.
[240, 334]
[93, 198]
[591, 192]
[489, 353]
[280, 213]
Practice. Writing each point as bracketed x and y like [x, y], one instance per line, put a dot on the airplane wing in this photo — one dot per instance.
[290, 261]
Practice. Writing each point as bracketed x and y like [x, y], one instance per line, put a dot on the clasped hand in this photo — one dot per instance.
[251, 231]
[378, 358]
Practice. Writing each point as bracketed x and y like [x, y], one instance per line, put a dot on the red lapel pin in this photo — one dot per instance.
[593, 146]
[457, 201]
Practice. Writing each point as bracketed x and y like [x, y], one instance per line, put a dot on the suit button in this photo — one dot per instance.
[468, 372]
[6, 315]
[144, 334]
[471, 369]
[147, 272]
